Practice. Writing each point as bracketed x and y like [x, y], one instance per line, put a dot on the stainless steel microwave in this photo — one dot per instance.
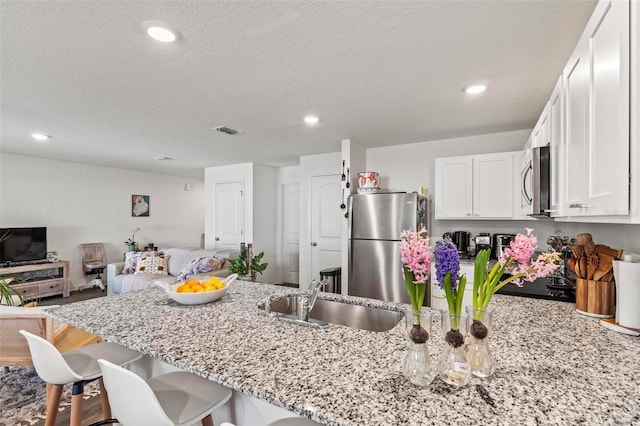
[535, 183]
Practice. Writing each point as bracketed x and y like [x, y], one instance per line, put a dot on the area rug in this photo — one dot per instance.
[23, 395]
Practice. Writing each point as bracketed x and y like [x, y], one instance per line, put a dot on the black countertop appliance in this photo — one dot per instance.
[549, 288]
[461, 240]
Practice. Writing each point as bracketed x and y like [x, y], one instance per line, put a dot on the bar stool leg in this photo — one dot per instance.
[76, 403]
[52, 405]
[104, 400]
[207, 421]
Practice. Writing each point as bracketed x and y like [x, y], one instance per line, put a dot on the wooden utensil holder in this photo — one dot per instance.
[595, 297]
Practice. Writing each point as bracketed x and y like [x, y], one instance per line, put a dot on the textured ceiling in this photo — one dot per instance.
[380, 73]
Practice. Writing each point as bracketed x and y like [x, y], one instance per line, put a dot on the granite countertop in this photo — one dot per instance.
[554, 366]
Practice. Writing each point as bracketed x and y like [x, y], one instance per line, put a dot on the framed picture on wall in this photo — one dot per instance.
[139, 205]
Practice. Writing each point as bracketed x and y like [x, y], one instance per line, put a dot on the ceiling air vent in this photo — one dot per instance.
[226, 130]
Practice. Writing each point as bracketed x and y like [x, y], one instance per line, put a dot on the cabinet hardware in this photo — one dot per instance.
[578, 206]
[313, 244]
[217, 239]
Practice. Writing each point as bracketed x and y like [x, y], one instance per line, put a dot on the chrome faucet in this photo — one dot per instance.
[307, 299]
[312, 293]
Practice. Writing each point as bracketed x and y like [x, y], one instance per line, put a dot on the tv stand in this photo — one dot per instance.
[37, 280]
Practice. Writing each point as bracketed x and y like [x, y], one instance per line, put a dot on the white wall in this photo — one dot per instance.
[81, 203]
[259, 208]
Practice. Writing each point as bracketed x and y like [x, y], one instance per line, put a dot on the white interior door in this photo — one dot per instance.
[291, 232]
[229, 215]
[325, 223]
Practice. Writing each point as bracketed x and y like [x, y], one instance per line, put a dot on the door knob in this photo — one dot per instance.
[313, 244]
[217, 238]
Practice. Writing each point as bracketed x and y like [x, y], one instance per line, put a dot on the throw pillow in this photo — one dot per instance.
[156, 265]
[198, 266]
[131, 260]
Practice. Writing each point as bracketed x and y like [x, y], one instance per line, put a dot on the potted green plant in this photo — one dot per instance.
[240, 266]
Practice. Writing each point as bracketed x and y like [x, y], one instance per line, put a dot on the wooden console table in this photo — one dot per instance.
[39, 280]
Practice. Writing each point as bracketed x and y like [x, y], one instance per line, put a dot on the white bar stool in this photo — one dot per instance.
[172, 399]
[78, 366]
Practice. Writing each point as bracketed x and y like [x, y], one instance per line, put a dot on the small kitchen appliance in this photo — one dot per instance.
[461, 240]
[501, 242]
[482, 241]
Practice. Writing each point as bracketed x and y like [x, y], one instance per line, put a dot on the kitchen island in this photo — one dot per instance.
[554, 366]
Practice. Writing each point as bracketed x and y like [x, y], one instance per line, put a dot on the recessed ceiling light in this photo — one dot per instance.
[311, 119]
[40, 136]
[161, 158]
[478, 88]
[160, 31]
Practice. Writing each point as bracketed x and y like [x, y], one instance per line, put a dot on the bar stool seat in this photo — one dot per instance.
[77, 367]
[172, 399]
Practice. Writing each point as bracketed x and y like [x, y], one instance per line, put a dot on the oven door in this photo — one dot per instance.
[526, 184]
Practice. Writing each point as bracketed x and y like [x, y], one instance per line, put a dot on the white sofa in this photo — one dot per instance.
[178, 258]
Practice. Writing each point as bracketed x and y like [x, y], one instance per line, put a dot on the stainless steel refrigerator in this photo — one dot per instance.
[376, 221]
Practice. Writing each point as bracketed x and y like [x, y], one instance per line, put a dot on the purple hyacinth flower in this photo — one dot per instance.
[447, 260]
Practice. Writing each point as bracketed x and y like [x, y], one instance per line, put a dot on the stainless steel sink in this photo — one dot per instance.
[354, 316]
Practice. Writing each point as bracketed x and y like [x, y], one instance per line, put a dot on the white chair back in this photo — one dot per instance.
[133, 402]
[48, 362]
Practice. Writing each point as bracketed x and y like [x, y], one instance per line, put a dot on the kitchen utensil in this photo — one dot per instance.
[582, 238]
[343, 176]
[348, 184]
[605, 265]
[342, 205]
[592, 264]
[583, 266]
[577, 251]
[608, 276]
[571, 264]
[601, 248]
[586, 240]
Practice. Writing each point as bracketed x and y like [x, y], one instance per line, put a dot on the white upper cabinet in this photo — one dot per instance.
[541, 132]
[558, 150]
[476, 186]
[454, 187]
[596, 86]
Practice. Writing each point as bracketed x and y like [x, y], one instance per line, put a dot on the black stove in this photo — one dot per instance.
[549, 288]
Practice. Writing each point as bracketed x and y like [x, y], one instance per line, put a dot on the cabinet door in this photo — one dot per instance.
[575, 78]
[229, 221]
[454, 186]
[558, 150]
[493, 185]
[541, 132]
[607, 190]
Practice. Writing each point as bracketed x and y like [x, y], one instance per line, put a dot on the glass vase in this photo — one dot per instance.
[453, 367]
[416, 365]
[477, 350]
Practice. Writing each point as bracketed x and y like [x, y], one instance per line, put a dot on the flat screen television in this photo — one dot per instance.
[23, 244]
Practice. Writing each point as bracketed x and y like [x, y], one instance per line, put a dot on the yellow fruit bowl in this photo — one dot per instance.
[192, 295]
